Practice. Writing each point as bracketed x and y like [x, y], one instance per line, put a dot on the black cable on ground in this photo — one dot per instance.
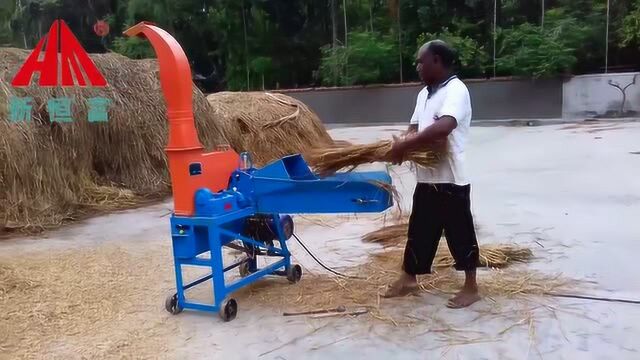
[594, 298]
[321, 263]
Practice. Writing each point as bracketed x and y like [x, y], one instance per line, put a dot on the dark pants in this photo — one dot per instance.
[438, 208]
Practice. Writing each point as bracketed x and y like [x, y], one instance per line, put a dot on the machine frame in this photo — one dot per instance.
[217, 194]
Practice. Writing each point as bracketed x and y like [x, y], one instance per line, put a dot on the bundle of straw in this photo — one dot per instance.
[492, 255]
[330, 159]
[388, 236]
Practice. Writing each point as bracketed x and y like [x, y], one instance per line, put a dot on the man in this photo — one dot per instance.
[441, 201]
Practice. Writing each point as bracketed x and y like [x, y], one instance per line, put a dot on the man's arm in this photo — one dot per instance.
[435, 132]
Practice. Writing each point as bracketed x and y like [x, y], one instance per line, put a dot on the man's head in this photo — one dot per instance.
[434, 61]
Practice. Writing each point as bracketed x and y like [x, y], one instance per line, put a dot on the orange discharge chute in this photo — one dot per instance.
[190, 168]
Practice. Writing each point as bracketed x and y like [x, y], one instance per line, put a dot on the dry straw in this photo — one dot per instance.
[55, 172]
[267, 125]
[491, 255]
[330, 159]
[101, 303]
[320, 291]
[113, 307]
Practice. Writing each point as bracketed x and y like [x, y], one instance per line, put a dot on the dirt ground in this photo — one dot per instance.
[96, 289]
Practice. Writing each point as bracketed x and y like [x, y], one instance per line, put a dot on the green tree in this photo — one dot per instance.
[369, 58]
[229, 40]
[134, 48]
[630, 30]
[262, 65]
[528, 50]
[471, 58]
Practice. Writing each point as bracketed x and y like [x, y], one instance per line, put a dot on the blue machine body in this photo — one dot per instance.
[248, 216]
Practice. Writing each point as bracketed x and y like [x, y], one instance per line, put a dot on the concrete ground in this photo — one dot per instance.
[570, 192]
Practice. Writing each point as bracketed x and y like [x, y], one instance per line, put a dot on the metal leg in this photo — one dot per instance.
[189, 247]
[217, 267]
[179, 289]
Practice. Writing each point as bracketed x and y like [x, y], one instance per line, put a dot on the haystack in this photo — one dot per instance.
[268, 125]
[54, 172]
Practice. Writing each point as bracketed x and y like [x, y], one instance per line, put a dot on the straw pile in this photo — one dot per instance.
[54, 172]
[330, 159]
[268, 125]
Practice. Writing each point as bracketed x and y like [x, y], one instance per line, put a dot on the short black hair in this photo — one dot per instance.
[443, 50]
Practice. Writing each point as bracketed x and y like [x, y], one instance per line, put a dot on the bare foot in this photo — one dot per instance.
[464, 298]
[405, 285]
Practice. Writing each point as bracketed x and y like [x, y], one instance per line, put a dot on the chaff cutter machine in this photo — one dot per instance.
[220, 199]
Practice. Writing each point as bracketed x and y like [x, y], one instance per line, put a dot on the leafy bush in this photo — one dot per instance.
[527, 50]
[630, 31]
[368, 58]
[133, 47]
[262, 65]
[531, 50]
[471, 58]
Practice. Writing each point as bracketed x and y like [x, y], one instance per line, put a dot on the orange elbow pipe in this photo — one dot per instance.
[190, 168]
[175, 79]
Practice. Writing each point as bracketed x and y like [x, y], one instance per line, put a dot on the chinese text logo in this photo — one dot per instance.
[59, 69]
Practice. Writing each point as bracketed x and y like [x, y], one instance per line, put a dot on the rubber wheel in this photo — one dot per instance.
[228, 309]
[294, 274]
[171, 304]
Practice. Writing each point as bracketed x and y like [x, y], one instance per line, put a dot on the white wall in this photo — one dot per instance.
[591, 95]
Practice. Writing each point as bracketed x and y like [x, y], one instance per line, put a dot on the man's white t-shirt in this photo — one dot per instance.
[451, 98]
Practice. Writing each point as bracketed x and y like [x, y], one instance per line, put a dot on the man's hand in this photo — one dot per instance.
[398, 151]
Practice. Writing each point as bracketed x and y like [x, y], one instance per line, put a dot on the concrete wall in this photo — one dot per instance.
[592, 96]
[492, 99]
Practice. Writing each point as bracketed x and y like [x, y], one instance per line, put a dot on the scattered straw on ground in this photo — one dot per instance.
[336, 157]
[96, 304]
[318, 291]
[107, 302]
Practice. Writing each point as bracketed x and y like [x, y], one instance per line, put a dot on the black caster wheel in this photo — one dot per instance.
[228, 309]
[294, 273]
[171, 304]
